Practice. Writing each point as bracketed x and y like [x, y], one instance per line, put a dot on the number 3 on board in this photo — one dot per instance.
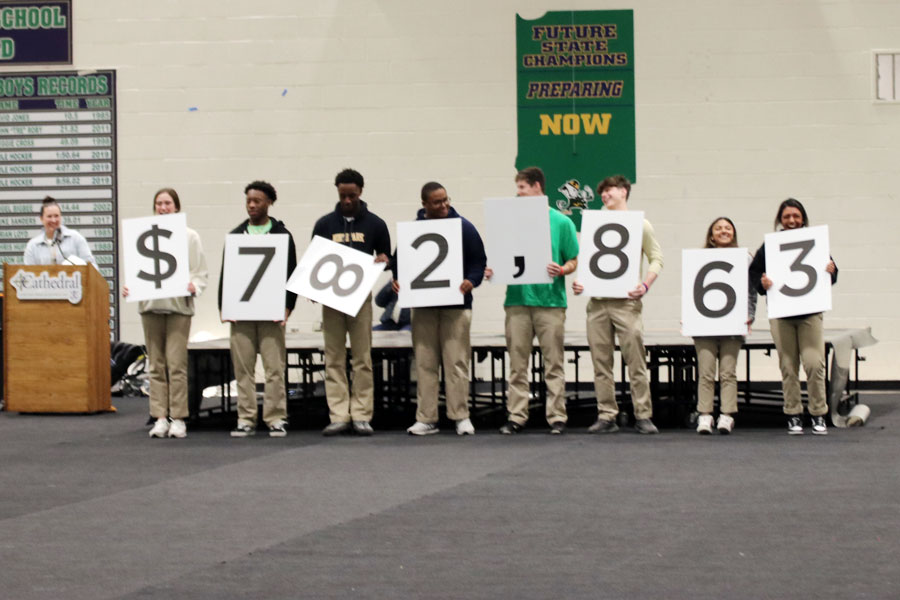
[795, 262]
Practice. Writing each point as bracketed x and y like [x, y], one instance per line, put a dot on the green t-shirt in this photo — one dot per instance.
[259, 229]
[564, 247]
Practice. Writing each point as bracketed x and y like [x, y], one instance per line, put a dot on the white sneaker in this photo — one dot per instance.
[419, 428]
[160, 428]
[704, 424]
[725, 424]
[278, 428]
[177, 429]
[464, 427]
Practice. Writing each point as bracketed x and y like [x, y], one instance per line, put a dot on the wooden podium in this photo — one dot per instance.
[55, 350]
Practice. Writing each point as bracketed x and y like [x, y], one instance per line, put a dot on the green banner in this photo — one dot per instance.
[575, 93]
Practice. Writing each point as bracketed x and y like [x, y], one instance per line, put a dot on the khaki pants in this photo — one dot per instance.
[166, 336]
[725, 350]
[608, 318]
[266, 338]
[343, 406]
[523, 323]
[441, 335]
[801, 341]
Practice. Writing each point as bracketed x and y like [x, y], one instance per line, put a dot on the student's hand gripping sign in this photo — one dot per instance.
[254, 276]
[609, 257]
[335, 275]
[430, 262]
[714, 292]
[795, 262]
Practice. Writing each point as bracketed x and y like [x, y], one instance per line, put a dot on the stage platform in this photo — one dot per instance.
[671, 361]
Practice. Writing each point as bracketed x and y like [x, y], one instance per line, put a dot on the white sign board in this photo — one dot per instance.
[517, 239]
[254, 276]
[795, 262]
[714, 292]
[609, 257]
[156, 257]
[430, 262]
[335, 275]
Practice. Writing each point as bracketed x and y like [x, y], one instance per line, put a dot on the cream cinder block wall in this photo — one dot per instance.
[739, 105]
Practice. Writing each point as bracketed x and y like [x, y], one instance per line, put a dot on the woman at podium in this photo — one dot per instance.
[57, 244]
[167, 324]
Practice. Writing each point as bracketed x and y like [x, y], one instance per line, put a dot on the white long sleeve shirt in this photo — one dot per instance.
[41, 251]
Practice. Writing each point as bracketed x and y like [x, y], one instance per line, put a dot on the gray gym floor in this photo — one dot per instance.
[92, 508]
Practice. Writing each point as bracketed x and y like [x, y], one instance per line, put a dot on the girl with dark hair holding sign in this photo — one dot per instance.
[722, 349]
[798, 339]
[167, 324]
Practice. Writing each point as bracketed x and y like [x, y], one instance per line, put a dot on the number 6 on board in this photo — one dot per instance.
[714, 292]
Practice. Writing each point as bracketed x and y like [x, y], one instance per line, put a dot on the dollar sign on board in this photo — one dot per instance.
[157, 276]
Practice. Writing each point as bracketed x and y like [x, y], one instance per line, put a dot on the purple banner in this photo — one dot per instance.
[35, 33]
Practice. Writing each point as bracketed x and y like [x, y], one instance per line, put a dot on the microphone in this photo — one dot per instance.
[57, 241]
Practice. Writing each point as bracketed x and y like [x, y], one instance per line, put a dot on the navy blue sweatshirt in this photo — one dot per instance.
[474, 258]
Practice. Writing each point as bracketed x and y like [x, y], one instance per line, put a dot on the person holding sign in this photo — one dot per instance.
[440, 334]
[351, 224]
[540, 310]
[394, 318]
[798, 339]
[266, 338]
[722, 349]
[57, 244]
[167, 325]
[609, 317]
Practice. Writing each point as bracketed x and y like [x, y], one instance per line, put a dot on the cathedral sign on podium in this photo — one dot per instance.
[62, 286]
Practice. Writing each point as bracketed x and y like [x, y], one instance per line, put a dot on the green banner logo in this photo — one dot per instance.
[575, 93]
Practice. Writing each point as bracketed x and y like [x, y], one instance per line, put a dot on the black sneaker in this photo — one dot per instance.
[243, 429]
[362, 428]
[336, 428]
[645, 426]
[604, 426]
[795, 425]
[557, 428]
[511, 428]
[818, 426]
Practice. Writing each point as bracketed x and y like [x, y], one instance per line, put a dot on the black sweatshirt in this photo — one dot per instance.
[366, 232]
